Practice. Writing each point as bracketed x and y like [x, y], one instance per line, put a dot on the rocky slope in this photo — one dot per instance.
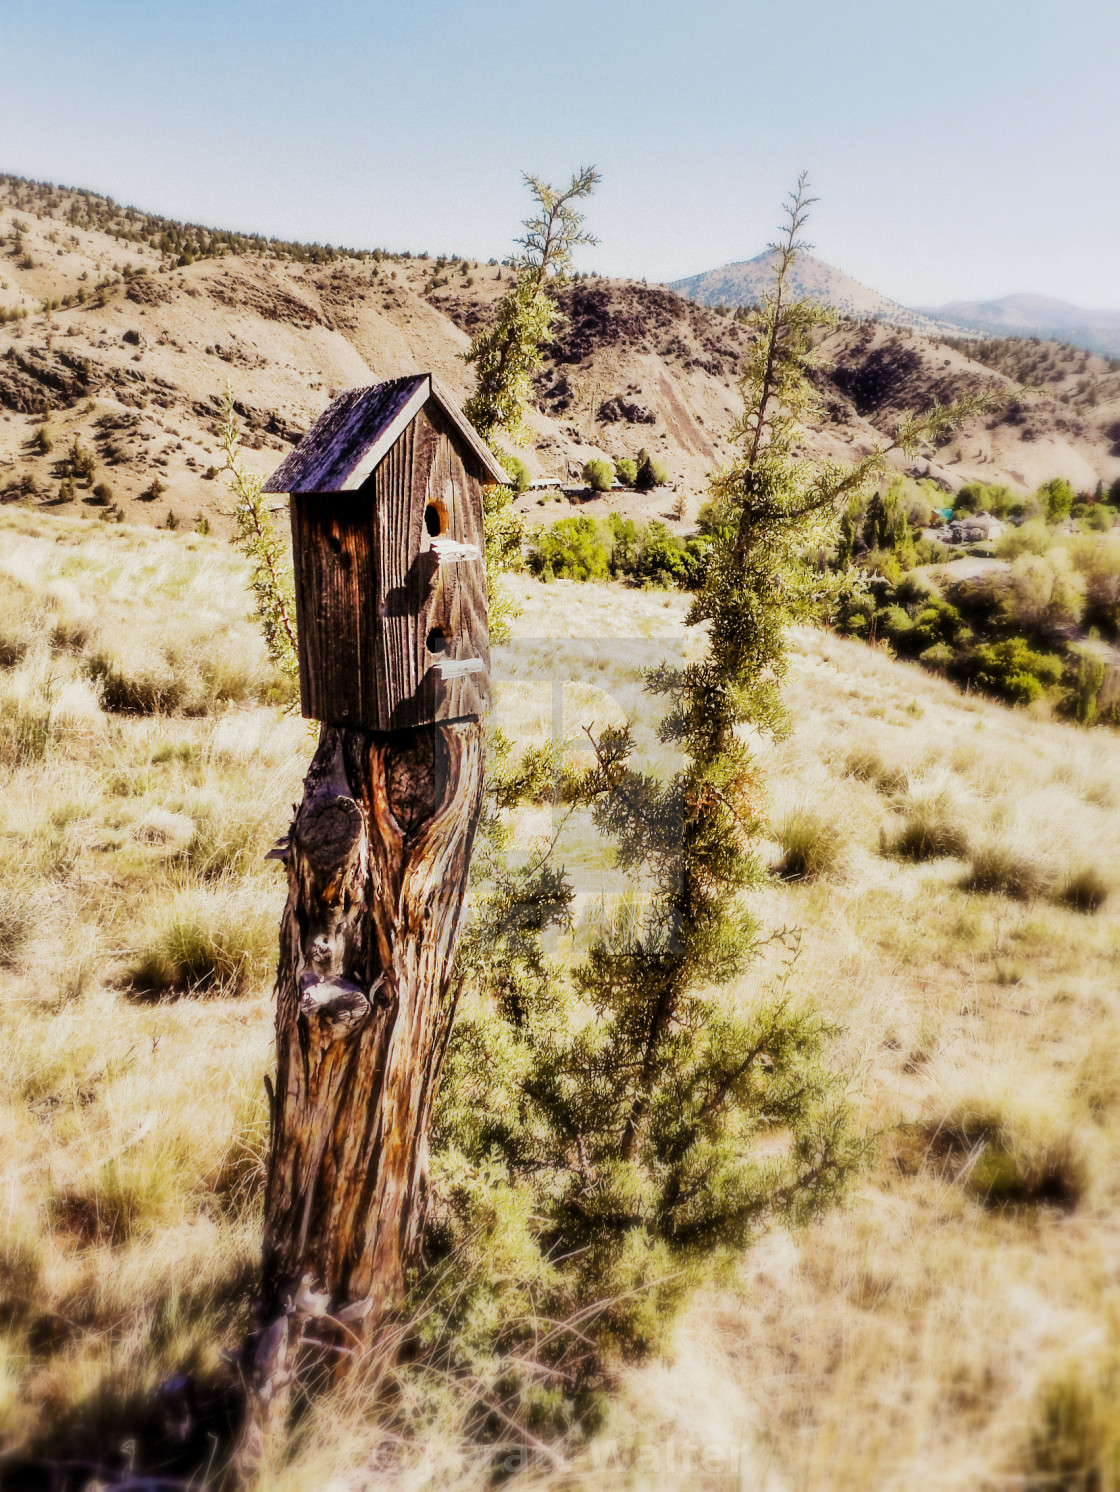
[124, 330]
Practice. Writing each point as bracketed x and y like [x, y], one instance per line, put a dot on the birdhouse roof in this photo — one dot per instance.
[358, 429]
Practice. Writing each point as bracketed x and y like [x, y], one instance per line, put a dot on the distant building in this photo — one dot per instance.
[975, 528]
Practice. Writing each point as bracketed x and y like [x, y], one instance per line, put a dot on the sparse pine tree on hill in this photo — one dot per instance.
[507, 355]
[623, 1128]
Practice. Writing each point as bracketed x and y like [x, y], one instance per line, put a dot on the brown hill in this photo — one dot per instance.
[126, 328]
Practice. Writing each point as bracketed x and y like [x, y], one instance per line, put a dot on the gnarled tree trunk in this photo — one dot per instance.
[377, 864]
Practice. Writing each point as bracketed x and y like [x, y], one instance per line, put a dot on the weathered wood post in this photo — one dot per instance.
[389, 563]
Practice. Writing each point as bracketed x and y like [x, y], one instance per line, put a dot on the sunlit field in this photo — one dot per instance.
[946, 877]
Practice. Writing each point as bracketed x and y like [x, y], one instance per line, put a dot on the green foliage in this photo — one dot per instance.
[572, 549]
[506, 355]
[598, 475]
[626, 470]
[42, 440]
[650, 473]
[619, 1130]
[875, 528]
[519, 474]
[584, 548]
[504, 531]
[78, 463]
[1012, 670]
[256, 537]
[1081, 700]
[1098, 562]
[988, 497]
[1057, 498]
[1033, 537]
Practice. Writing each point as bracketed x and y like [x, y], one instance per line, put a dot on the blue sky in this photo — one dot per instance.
[966, 148]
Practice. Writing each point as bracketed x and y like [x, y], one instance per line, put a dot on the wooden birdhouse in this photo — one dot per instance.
[390, 572]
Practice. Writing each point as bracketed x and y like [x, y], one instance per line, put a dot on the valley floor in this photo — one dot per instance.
[945, 862]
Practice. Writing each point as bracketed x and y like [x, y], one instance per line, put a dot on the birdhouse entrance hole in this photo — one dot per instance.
[437, 640]
[435, 519]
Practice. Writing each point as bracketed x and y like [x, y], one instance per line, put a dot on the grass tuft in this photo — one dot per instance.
[217, 940]
[1074, 1442]
[932, 827]
[866, 764]
[1010, 1141]
[812, 846]
[1083, 888]
[1003, 869]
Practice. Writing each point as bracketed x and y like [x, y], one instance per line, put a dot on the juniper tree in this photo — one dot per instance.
[620, 1129]
[256, 537]
[507, 354]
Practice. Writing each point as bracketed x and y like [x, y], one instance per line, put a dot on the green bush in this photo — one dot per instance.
[519, 474]
[662, 559]
[571, 549]
[894, 623]
[626, 470]
[1032, 538]
[938, 622]
[1099, 518]
[650, 474]
[1057, 498]
[988, 497]
[940, 658]
[1011, 670]
[586, 548]
[598, 475]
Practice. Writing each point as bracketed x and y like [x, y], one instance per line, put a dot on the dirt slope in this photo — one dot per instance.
[140, 339]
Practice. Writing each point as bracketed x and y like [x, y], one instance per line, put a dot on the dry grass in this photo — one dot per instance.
[131, 847]
[953, 1327]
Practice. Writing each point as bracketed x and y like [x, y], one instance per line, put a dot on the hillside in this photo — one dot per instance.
[746, 282]
[1037, 316]
[126, 329]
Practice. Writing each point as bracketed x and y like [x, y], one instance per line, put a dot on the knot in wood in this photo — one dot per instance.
[328, 831]
[338, 1006]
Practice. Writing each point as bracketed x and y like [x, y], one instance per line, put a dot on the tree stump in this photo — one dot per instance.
[377, 860]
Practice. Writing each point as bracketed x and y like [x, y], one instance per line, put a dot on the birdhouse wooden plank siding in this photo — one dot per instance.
[388, 548]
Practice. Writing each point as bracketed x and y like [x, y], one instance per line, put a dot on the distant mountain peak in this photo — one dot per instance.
[748, 281]
[1041, 316]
